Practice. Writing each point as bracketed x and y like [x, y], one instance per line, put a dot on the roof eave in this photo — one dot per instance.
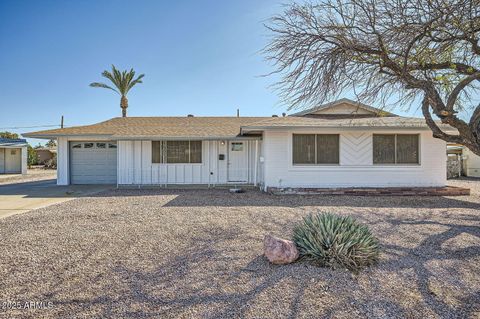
[252, 128]
[184, 138]
[52, 136]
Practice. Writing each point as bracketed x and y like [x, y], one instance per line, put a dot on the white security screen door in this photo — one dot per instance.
[237, 162]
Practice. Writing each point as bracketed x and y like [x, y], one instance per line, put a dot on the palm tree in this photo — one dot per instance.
[122, 82]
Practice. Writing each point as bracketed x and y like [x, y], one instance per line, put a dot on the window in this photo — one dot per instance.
[157, 155]
[395, 149]
[101, 145]
[88, 145]
[112, 145]
[77, 145]
[177, 152]
[316, 149]
[237, 147]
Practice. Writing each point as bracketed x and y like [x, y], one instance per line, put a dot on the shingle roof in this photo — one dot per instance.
[219, 127]
[167, 127]
[371, 122]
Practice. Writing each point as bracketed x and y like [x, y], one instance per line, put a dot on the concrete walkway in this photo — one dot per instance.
[23, 197]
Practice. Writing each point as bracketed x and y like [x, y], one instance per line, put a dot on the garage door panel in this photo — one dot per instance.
[96, 164]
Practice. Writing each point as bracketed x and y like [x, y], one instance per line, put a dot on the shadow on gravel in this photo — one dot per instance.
[211, 280]
[432, 249]
[223, 198]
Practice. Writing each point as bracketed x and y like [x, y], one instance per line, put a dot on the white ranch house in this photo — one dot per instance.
[340, 144]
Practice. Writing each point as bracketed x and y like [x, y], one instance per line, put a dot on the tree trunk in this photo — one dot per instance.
[124, 105]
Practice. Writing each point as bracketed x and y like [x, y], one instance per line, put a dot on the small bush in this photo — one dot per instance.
[51, 163]
[335, 241]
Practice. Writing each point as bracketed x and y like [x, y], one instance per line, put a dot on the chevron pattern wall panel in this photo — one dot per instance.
[356, 149]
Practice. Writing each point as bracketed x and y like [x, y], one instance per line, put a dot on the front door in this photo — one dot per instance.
[237, 162]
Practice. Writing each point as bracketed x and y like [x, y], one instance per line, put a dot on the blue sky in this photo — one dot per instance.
[199, 57]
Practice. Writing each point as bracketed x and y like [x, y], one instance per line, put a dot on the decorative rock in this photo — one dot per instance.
[279, 251]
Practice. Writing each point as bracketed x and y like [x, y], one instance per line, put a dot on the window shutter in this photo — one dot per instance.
[328, 149]
[156, 152]
[407, 149]
[303, 148]
[383, 149]
[195, 151]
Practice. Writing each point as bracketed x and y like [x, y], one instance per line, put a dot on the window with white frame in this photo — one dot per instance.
[315, 149]
[396, 149]
[177, 152]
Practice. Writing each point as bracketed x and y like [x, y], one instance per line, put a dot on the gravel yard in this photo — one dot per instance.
[33, 175]
[198, 254]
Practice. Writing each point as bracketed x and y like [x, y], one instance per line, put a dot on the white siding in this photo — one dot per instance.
[344, 108]
[24, 160]
[472, 163]
[2, 160]
[62, 161]
[135, 165]
[356, 167]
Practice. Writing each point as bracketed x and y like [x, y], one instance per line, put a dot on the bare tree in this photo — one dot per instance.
[402, 50]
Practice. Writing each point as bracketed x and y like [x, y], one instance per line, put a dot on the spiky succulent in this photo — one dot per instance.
[335, 241]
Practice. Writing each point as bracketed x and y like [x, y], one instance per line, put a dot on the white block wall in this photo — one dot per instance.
[356, 167]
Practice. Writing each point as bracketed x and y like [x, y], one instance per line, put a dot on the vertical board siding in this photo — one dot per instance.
[24, 160]
[135, 165]
[356, 167]
[63, 164]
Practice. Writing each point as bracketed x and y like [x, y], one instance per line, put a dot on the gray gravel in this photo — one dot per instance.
[198, 253]
[33, 175]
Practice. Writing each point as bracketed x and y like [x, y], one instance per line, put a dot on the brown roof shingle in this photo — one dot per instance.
[167, 127]
[218, 127]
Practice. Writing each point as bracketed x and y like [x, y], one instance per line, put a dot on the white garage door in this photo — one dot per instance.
[93, 162]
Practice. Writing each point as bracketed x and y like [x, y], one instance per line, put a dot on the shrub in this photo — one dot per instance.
[335, 241]
[51, 163]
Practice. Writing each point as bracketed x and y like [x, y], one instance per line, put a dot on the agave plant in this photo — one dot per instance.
[122, 83]
[336, 241]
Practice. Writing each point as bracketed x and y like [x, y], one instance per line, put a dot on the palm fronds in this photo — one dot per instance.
[123, 82]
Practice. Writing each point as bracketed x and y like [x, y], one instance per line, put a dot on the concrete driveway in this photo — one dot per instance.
[23, 197]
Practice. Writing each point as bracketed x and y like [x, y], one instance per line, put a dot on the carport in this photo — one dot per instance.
[13, 156]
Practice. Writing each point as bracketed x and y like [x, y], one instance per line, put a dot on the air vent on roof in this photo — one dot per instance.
[190, 115]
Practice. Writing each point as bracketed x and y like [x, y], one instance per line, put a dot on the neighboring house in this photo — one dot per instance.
[470, 161]
[13, 156]
[340, 144]
[44, 154]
